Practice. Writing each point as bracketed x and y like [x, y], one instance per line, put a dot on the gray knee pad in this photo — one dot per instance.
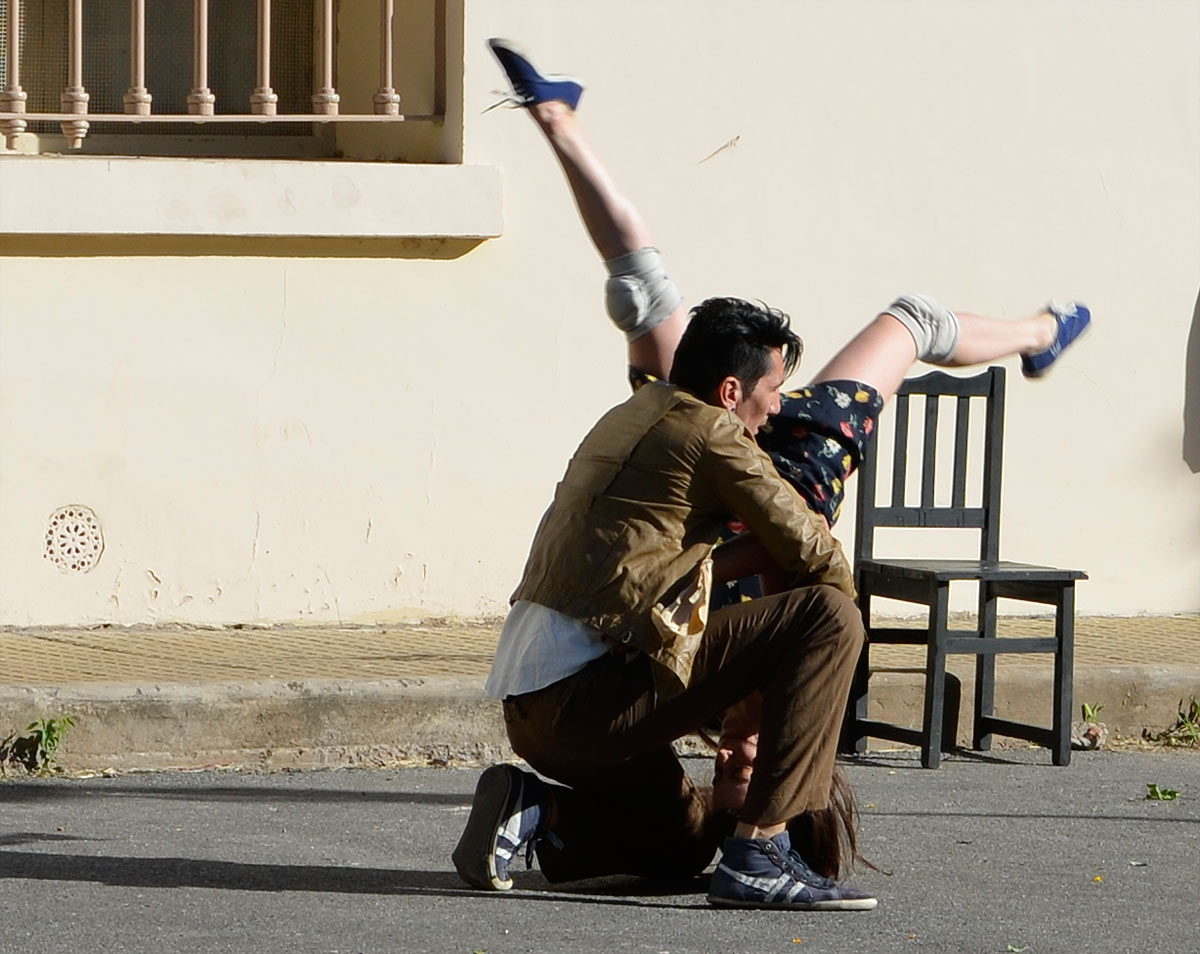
[639, 294]
[934, 327]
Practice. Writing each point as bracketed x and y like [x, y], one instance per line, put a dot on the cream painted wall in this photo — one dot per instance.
[274, 430]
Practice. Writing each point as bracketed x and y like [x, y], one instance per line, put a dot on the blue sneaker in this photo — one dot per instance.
[531, 87]
[1073, 319]
[754, 873]
[509, 813]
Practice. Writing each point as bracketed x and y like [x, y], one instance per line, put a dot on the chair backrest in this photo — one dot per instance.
[989, 385]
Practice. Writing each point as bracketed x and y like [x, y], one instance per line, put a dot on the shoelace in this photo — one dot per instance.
[511, 100]
[547, 836]
[795, 865]
[807, 875]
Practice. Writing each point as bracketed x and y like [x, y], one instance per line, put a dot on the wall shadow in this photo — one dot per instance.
[33, 791]
[189, 246]
[1191, 394]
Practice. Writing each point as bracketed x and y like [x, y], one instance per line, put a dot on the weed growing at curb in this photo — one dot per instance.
[1186, 730]
[34, 751]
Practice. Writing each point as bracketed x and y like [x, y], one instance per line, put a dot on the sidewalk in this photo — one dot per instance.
[300, 696]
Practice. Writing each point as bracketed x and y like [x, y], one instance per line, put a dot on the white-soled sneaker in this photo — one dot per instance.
[760, 873]
[509, 813]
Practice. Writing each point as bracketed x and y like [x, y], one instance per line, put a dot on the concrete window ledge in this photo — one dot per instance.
[246, 197]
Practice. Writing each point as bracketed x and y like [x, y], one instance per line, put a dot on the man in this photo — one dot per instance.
[621, 561]
[610, 652]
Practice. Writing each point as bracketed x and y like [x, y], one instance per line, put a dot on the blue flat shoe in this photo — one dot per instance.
[530, 86]
[1073, 320]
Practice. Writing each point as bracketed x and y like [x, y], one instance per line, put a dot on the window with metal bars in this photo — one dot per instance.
[109, 60]
[232, 31]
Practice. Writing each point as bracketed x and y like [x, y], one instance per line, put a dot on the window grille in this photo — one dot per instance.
[237, 67]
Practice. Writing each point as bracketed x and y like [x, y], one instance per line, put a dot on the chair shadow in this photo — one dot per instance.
[911, 759]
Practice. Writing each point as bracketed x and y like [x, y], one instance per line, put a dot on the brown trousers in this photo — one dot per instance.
[629, 806]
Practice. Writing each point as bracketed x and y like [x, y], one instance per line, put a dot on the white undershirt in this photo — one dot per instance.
[539, 646]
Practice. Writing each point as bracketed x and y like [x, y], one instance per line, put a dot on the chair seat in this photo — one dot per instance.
[943, 571]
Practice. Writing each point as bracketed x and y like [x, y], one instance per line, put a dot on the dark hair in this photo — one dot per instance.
[729, 336]
[828, 837]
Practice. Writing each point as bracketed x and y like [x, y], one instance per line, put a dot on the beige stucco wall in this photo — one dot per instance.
[282, 429]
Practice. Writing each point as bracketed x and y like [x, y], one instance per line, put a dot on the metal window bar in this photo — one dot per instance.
[75, 97]
[326, 100]
[137, 98]
[136, 107]
[201, 101]
[12, 98]
[264, 101]
[387, 100]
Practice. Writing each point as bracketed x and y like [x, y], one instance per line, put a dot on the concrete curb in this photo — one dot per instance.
[278, 724]
[1133, 697]
[269, 724]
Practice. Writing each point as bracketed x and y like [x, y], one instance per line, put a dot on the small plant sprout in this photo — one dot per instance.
[49, 734]
[35, 750]
[1091, 711]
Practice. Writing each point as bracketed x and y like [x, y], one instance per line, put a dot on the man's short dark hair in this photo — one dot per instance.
[729, 336]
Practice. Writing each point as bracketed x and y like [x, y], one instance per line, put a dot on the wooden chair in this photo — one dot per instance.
[927, 582]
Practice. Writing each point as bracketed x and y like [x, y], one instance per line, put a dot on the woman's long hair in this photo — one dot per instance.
[828, 839]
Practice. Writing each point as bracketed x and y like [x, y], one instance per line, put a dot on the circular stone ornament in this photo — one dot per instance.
[74, 540]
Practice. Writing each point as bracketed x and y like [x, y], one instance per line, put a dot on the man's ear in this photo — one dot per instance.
[729, 393]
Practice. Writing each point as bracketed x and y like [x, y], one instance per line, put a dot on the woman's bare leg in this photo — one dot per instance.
[612, 221]
[990, 339]
[883, 352]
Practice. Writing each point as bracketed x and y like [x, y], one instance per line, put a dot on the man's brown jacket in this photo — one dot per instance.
[647, 495]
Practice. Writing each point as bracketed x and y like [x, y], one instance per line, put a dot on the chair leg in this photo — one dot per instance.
[985, 671]
[853, 742]
[857, 707]
[1064, 667]
[935, 679]
[951, 707]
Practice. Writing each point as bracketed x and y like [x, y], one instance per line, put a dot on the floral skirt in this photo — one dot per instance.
[819, 438]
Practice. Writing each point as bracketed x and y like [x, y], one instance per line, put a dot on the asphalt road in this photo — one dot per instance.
[986, 856]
